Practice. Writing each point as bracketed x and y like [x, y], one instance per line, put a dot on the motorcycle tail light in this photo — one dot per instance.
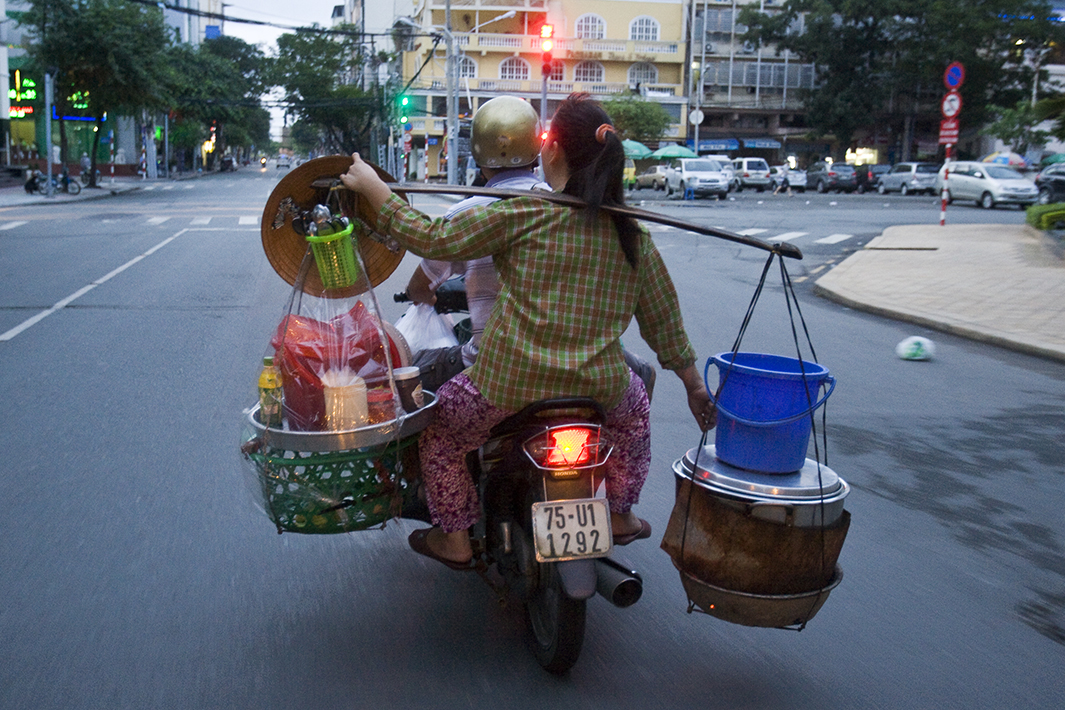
[567, 447]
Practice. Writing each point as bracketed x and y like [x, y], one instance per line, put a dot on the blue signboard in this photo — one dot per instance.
[760, 143]
[711, 145]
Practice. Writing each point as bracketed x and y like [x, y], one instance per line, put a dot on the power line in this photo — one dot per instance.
[262, 23]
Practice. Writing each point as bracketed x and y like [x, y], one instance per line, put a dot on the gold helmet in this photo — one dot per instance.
[505, 133]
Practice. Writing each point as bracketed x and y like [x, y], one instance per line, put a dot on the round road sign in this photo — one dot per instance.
[954, 76]
[696, 117]
[951, 105]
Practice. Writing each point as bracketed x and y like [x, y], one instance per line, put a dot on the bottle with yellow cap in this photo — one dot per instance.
[270, 397]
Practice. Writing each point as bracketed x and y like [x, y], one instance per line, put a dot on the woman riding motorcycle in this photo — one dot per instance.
[571, 282]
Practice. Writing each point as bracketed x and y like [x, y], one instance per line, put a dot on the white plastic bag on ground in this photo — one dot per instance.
[425, 329]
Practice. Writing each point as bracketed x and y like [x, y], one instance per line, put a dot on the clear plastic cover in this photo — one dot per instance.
[344, 456]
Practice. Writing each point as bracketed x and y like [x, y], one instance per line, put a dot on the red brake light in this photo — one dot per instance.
[567, 447]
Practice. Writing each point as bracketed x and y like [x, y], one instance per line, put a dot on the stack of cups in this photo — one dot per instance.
[345, 400]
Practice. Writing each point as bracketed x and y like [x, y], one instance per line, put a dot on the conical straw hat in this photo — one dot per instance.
[303, 188]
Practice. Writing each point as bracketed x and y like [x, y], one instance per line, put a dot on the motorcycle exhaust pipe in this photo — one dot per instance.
[616, 583]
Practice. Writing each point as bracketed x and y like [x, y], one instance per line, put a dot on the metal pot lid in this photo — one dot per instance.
[810, 483]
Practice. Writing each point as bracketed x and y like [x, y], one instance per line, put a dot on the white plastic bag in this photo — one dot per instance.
[425, 329]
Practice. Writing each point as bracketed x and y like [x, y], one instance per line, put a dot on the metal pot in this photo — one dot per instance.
[802, 499]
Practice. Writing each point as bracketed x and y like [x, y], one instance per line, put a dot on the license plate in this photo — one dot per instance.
[571, 529]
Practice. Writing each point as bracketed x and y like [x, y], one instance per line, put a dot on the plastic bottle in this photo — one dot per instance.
[270, 394]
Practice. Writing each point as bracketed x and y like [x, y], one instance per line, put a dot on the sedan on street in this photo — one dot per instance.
[653, 178]
[986, 184]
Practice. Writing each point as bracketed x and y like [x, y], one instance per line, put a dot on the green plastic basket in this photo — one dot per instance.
[335, 256]
[337, 491]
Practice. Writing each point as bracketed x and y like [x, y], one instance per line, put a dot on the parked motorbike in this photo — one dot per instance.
[38, 183]
[85, 177]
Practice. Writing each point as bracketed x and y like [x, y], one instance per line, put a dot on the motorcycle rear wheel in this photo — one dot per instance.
[556, 622]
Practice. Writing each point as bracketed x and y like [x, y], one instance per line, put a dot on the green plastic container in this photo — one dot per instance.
[335, 256]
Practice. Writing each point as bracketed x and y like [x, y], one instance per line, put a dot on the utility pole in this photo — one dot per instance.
[452, 101]
[48, 131]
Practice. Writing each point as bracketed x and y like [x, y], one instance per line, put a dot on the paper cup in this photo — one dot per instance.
[345, 406]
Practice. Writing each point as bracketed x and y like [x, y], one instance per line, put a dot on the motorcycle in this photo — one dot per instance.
[38, 183]
[543, 534]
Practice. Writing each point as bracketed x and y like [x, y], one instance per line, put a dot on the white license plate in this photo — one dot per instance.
[571, 529]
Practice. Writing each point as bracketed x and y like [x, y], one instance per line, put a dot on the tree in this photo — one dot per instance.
[1016, 127]
[312, 68]
[110, 51]
[218, 85]
[637, 119]
[880, 65]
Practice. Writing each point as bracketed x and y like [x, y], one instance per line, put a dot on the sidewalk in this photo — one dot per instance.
[1000, 284]
[17, 196]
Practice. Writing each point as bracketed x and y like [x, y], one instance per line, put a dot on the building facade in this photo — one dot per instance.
[603, 47]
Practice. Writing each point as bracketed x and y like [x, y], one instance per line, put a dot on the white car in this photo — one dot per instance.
[284, 161]
[796, 177]
[986, 184]
[726, 167]
[700, 175]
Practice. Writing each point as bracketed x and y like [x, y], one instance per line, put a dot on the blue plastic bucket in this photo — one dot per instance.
[764, 411]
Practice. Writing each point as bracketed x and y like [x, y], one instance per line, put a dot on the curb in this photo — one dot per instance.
[932, 324]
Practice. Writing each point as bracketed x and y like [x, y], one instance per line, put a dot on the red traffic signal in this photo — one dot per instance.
[547, 43]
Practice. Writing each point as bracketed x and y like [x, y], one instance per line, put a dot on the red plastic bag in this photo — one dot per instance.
[306, 348]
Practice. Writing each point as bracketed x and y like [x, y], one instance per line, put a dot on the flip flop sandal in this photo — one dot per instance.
[642, 534]
[419, 542]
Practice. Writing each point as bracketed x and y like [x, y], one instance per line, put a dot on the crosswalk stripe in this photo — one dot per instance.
[187, 187]
[168, 187]
[157, 220]
[787, 236]
[148, 188]
[11, 225]
[201, 220]
[833, 239]
[249, 220]
[752, 232]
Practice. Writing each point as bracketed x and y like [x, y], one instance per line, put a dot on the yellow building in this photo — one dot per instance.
[603, 47]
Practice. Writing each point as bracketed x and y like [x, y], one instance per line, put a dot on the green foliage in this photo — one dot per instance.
[1046, 216]
[311, 68]
[638, 119]
[880, 64]
[1016, 127]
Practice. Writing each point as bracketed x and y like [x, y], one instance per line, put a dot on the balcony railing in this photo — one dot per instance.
[532, 87]
[491, 4]
[602, 49]
[434, 126]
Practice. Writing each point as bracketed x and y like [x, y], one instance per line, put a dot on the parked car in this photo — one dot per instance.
[752, 172]
[726, 167]
[796, 177]
[825, 176]
[909, 177]
[869, 175]
[654, 178]
[986, 184]
[701, 175]
[1051, 184]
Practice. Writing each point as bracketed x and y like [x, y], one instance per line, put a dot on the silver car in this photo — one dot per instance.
[699, 175]
[986, 184]
[907, 178]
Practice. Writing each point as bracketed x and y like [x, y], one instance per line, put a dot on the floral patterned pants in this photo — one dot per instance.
[463, 421]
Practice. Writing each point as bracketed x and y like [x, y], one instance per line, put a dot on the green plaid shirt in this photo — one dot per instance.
[566, 296]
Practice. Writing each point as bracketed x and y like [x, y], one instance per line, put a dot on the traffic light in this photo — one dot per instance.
[547, 33]
[403, 104]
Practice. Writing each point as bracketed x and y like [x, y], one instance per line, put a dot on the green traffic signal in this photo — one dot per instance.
[404, 108]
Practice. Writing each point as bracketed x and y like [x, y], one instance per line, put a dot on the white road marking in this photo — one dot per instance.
[187, 187]
[834, 239]
[30, 322]
[787, 236]
[752, 232]
[11, 225]
[201, 220]
[248, 220]
[168, 187]
[157, 220]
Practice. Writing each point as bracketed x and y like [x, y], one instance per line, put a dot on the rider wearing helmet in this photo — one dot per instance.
[505, 141]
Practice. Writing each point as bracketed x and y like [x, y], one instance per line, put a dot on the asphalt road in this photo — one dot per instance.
[137, 573]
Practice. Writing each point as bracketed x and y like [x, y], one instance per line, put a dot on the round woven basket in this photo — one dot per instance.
[310, 184]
